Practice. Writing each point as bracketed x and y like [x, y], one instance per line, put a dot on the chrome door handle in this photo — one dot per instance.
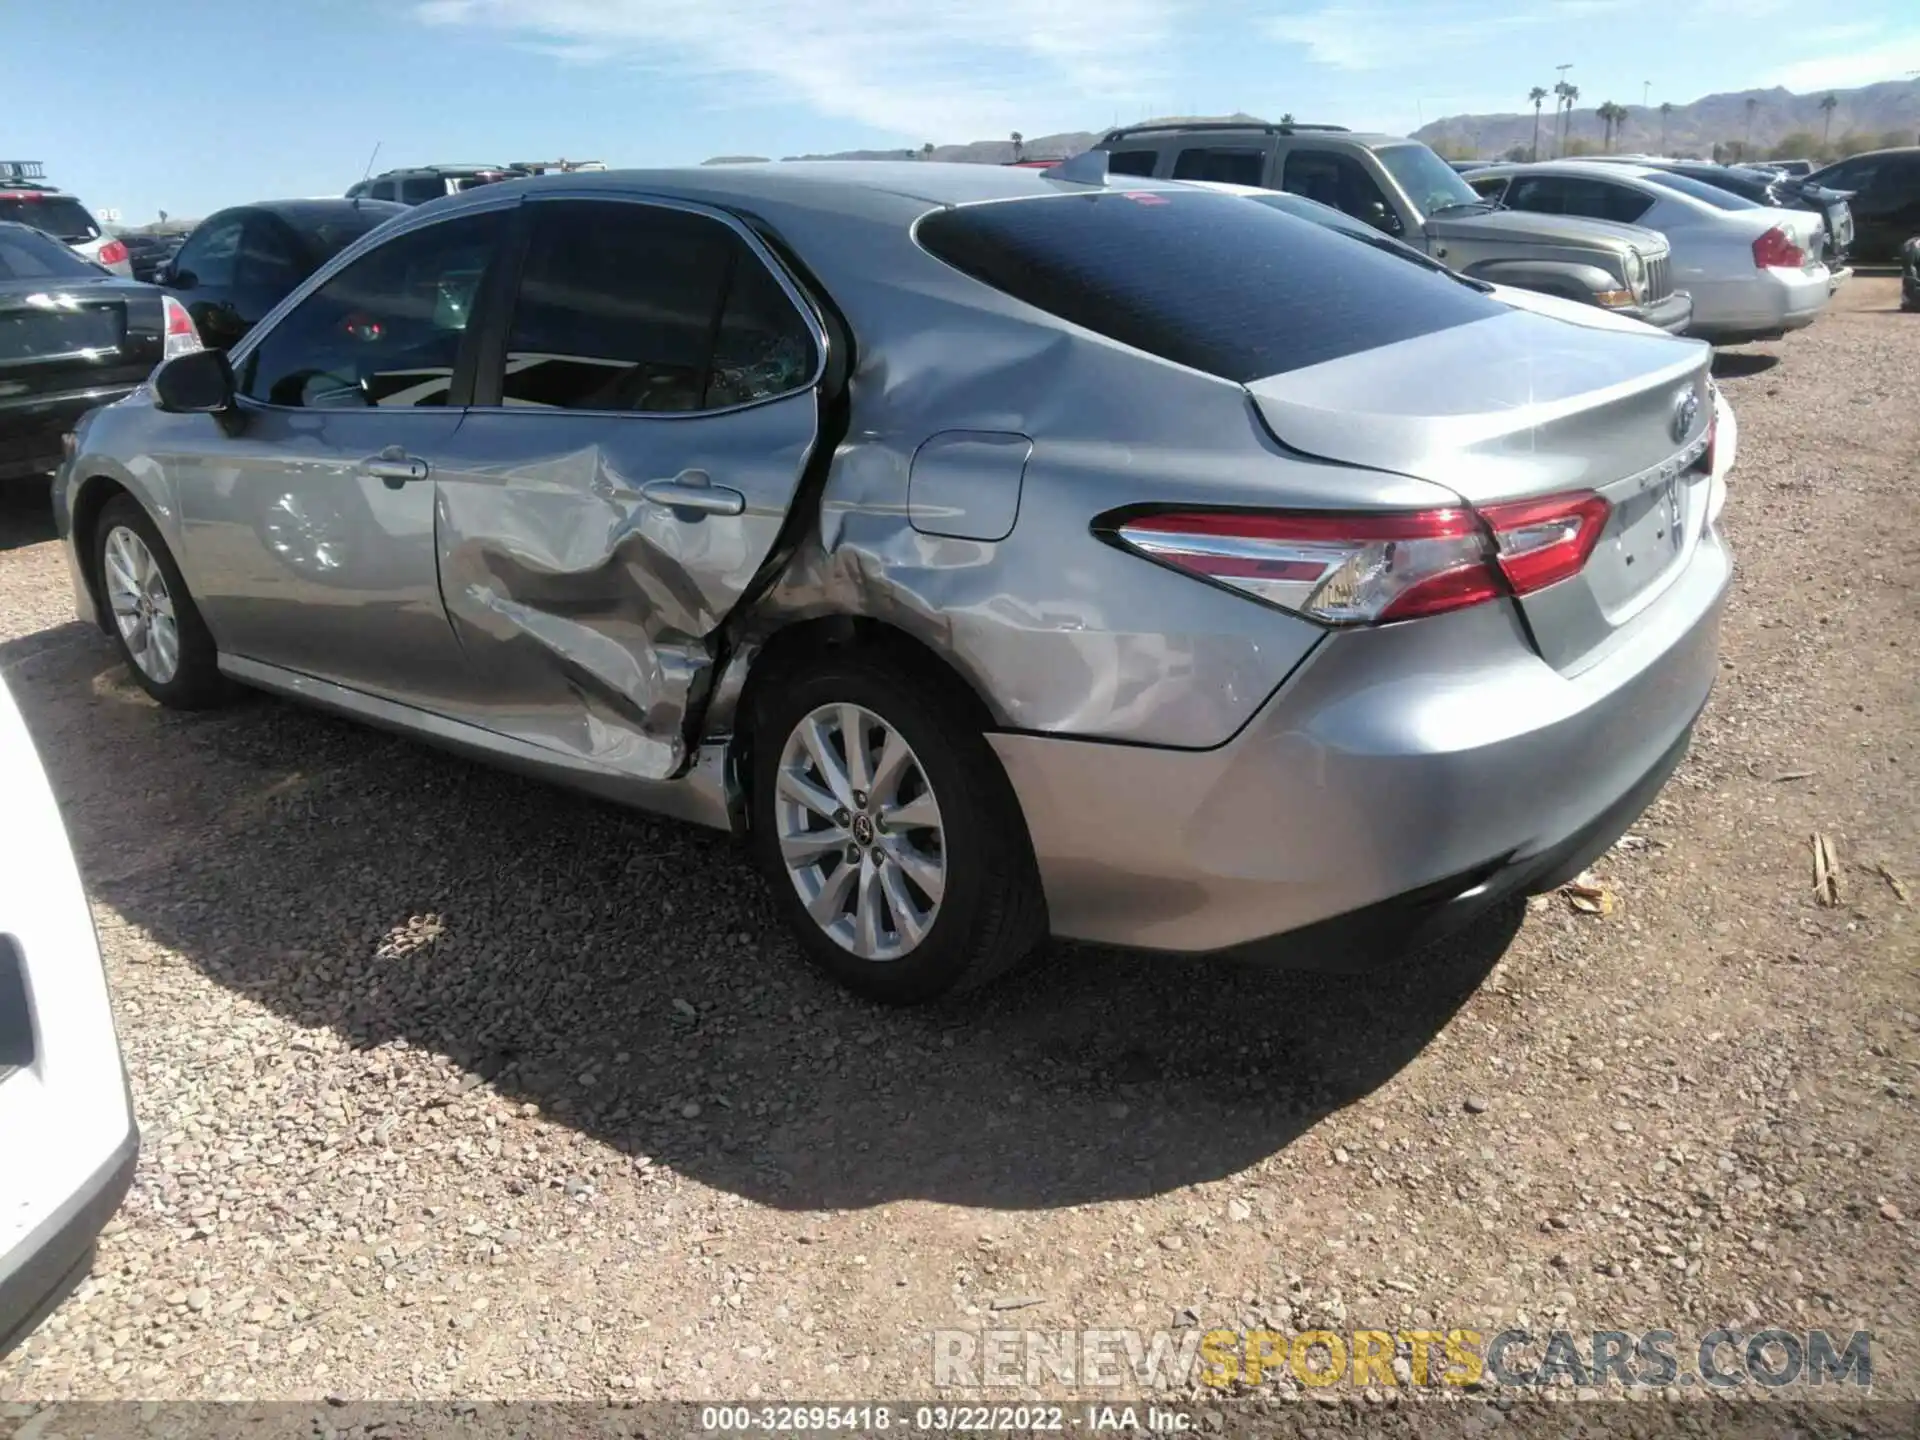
[395, 471]
[685, 493]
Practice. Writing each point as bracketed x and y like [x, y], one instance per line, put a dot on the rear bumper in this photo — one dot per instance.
[42, 1270]
[1769, 305]
[30, 429]
[1403, 779]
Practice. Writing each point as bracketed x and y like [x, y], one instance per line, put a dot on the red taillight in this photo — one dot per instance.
[1776, 250]
[182, 336]
[113, 253]
[1542, 542]
[1361, 569]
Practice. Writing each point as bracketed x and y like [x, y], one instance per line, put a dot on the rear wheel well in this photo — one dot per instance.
[788, 651]
[96, 493]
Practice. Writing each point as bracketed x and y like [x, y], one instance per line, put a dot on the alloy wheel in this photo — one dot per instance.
[859, 829]
[142, 605]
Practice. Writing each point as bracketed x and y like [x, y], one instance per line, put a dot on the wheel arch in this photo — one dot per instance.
[788, 649]
[91, 497]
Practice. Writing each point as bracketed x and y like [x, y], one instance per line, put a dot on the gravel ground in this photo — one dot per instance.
[453, 1085]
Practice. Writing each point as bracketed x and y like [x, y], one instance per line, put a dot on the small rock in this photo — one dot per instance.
[1889, 1210]
[1475, 1104]
[1239, 1210]
[1171, 1242]
[1016, 1302]
[690, 1110]
[199, 1299]
[685, 1007]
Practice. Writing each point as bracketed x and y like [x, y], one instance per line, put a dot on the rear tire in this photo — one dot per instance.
[905, 871]
[150, 613]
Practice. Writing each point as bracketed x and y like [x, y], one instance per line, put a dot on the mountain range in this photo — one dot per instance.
[1887, 113]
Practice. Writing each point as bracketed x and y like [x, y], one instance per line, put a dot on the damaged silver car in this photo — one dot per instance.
[1005, 552]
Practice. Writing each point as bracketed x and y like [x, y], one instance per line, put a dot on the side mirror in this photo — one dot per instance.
[1381, 218]
[197, 383]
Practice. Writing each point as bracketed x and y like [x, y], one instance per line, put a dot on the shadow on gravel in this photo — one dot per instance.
[285, 853]
[26, 513]
[1735, 364]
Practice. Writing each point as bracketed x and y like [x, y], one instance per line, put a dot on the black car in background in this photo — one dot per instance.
[239, 263]
[148, 254]
[72, 336]
[1885, 187]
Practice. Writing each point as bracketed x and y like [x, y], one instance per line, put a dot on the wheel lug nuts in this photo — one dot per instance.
[853, 854]
[860, 798]
[840, 817]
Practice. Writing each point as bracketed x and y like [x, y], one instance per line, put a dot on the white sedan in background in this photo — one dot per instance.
[1754, 272]
[68, 1142]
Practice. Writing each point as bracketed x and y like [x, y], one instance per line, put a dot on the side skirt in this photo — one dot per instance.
[698, 796]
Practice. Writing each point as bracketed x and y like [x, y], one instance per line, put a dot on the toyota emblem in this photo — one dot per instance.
[1685, 408]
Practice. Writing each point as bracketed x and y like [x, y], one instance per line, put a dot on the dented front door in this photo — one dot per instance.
[656, 410]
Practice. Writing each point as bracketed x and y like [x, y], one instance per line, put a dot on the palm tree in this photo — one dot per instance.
[1753, 106]
[1612, 116]
[1828, 104]
[926, 151]
[1566, 122]
[1538, 96]
[1666, 109]
[1019, 147]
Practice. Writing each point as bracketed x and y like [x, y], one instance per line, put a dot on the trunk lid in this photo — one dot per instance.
[1524, 405]
[63, 336]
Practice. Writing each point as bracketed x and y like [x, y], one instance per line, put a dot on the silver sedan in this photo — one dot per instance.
[1754, 272]
[1003, 552]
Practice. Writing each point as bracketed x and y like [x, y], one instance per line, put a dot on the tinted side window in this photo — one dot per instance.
[1491, 187]
[646, 308]
[386, 330]
[1132, 162]
[1334, 179]
[1205, 280]
[383, 190]
[210, 252]
[267, 260]
[1542, 194]
[421, 188]
[1235, 167]
[1598, 200]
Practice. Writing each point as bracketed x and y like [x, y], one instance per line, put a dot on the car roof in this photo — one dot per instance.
[855, 188]
[325, 207]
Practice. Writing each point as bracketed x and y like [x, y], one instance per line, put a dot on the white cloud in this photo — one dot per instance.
[1364, 35]
[938, 68]
[1889, 59]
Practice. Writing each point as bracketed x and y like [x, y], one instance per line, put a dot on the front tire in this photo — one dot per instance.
[885, 825]
[155, 624]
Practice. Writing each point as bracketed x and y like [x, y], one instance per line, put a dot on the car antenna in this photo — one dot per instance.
[1087, 168]
[371, 158]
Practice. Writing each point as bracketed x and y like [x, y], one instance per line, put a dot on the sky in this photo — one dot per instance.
[194, 104]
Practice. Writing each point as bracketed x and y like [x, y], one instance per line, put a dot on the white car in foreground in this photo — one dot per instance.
[1754, 272]
[68, 1142]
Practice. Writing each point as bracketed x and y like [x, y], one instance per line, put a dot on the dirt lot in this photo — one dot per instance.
[454, 1085]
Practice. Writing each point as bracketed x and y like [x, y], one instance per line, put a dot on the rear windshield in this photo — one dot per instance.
[1202, 279]
[29, 255]
[1711, 194]
[61, 216]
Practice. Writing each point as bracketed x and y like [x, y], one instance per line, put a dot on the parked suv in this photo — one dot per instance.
[1401, 187]
[418, 184]
[28, 197]
[1885, 196]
